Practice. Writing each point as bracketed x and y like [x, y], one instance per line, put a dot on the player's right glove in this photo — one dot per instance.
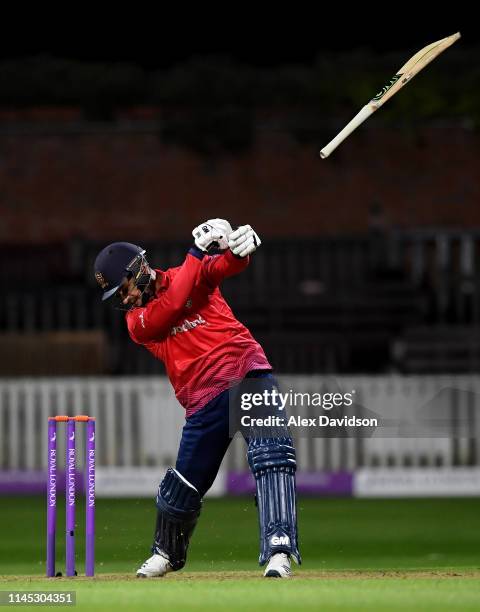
[213, 234]
[206, 237]
[224, 227]
[243, 241]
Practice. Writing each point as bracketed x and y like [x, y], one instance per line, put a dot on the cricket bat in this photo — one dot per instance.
[405, 74]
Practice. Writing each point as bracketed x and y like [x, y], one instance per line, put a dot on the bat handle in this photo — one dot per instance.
[359, 118]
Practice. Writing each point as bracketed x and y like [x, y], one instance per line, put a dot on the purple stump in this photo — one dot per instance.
[70, 498]
[51, 496]
[90, 499]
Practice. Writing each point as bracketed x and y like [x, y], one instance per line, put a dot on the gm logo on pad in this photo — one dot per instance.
[280, 541]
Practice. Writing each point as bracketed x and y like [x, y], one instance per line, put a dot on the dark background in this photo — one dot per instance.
[370, 259]
[254, 35]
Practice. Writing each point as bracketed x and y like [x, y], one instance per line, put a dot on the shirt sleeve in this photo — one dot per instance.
[217, 267]
[155, 319]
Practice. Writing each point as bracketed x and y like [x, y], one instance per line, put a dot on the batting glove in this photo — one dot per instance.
[224, 228]
[206, 237]
[243, 241]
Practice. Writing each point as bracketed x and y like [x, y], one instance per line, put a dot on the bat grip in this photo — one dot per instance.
[359, 118]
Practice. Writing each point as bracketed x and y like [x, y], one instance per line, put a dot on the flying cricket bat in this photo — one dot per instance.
[405, 74]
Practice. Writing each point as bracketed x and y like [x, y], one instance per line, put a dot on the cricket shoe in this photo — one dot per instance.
[154, 567]
[278, 566]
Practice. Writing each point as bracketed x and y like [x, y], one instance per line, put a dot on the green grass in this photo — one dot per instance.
[357, 555]
[248, 593]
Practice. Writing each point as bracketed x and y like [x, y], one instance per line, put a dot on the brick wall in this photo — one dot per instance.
[65, 177]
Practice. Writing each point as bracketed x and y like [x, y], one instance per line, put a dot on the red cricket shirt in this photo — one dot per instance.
[191, 328]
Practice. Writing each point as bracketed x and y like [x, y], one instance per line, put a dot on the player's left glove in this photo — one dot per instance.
[244, 241]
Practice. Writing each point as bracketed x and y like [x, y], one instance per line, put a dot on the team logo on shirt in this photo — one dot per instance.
[187, 325]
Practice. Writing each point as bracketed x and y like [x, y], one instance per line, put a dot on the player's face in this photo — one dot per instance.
[129, 294]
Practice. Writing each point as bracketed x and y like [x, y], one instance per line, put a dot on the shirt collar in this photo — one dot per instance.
[163, 278]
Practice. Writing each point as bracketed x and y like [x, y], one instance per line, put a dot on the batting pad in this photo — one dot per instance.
[273, 464]
[178, 508]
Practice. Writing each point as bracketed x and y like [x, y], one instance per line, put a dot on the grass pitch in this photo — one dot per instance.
[357, 555]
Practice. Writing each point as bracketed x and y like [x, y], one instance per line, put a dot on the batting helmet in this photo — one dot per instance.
[116, 262]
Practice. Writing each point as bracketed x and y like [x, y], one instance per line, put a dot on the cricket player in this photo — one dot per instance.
[181, 317]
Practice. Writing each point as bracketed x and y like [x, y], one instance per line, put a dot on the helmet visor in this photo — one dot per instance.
[110, 292]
